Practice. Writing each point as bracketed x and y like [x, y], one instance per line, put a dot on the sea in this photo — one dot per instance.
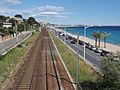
[113, 38]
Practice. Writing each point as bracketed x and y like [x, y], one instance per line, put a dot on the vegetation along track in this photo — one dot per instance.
[43, 70]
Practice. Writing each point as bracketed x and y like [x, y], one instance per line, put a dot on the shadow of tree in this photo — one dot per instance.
[89, 85]
[100, 85]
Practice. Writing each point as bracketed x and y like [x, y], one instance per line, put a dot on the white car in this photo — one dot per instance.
[97, 50]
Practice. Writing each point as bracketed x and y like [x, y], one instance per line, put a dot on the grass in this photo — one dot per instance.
[86, 73]
[12, 58]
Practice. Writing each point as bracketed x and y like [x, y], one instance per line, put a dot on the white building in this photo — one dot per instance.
[19, 20]
[7, 25]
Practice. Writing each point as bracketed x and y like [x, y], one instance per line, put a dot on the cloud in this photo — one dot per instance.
[51, 8]
[12, 2]
[38, 12]
[46, 11]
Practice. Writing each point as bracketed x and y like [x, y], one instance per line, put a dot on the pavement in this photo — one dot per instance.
[91, 57]
[6, 45]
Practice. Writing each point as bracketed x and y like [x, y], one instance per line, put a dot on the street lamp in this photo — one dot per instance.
[16, 28]
[77, 62]
[85, 39]
[65, 34]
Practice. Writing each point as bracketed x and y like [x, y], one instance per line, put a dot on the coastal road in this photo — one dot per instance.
[6, 45]
[91, 57]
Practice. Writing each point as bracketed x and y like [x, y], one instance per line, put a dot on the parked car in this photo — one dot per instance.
[61, 34]
[91, 47]
[69, 37]
[74, 39]
[97, 50]
[105, 53]
[81, 42]
[88, 45]
[73, 42]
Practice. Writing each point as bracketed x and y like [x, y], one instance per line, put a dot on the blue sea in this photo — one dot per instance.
[114, 38]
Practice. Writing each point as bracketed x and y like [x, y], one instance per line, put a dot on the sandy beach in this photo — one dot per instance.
[109, 47]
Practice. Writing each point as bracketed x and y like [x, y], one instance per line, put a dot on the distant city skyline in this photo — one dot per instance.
[89, 12]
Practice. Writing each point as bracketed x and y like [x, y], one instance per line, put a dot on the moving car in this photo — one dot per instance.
[73, 42]
[88, 45]
[81, 42]
[69, 37]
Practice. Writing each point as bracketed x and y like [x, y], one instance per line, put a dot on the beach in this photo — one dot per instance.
[109, 47]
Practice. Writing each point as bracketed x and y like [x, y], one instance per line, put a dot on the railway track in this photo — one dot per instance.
[43, 69]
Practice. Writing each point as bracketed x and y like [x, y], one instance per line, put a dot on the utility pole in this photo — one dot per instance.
[65, 34]
[77, 61]
[25, 28]
[16, 31]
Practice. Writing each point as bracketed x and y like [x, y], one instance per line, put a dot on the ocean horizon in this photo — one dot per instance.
[113, 38]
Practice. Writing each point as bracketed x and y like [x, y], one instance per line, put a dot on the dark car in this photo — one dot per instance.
[81, 42]
[105, 53]
[74, 39]
[69, 37]
[73, 42]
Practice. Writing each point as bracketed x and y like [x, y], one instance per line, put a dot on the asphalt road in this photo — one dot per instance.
[93, 58]
[6, 45]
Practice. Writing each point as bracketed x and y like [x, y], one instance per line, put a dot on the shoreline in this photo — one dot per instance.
[109, 47]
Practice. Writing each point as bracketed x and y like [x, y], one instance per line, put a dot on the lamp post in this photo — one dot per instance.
[16, 28]
[84, 40]
[65, 34]
[77, 62]
[24, 28]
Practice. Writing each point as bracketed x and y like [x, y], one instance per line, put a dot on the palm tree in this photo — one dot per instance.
[99, 37]
[104, 36]
[95, 35]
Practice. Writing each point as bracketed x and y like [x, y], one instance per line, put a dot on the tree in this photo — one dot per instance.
[95, 35]
[20, 27]
[26, 24]
[111, 74]
[11, 31]
[2, 19]
[104, 36]
[31, 20]
[99, 38]
[13, 22]
[18, 15]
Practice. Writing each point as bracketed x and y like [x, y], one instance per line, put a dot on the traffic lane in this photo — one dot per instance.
[4, 46]
[10, 42]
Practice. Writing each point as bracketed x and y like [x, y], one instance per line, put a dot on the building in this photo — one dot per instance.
[19, 20]
[7, 25]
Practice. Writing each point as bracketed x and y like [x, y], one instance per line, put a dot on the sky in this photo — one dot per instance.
[89, 12]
